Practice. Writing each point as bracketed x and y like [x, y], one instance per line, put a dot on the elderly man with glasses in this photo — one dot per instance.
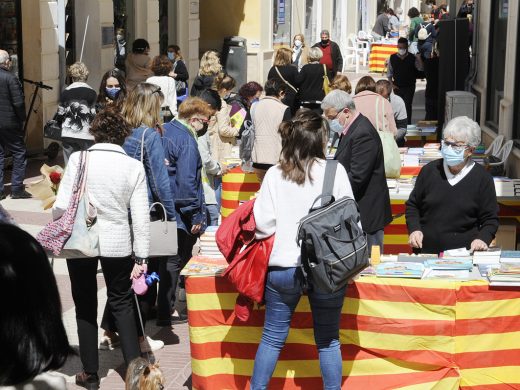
[12, 112]
[453, 204]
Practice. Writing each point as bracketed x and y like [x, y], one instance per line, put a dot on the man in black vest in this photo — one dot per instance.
[402, 73]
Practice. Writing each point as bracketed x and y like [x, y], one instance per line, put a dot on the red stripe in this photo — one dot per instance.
[230, 204]
[390, 381]
[410, 170]
[500, 386]
[488, 359]
[484, 292]
[208, 285]
[398, 208]
[394, 249]
[396, 229]
[240, 187]
[349, 352]
[488, 325]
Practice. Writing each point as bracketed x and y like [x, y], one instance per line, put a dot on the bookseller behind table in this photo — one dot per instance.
[395, 334]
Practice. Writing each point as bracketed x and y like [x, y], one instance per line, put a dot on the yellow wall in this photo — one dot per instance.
[221, 18]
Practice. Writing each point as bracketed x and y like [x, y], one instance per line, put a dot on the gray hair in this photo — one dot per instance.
[339, 100]
[4, 57]
[325, 32]
[315, 54]
[463, 129]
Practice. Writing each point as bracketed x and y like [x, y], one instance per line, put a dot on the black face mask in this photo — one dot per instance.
[325, 42]
[202, 131]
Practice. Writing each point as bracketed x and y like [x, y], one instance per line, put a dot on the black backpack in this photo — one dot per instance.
[333, 246]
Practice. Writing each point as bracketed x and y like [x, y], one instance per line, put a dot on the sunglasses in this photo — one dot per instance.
[157, 90]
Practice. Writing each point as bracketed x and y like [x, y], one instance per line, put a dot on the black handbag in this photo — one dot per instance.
[52, 129]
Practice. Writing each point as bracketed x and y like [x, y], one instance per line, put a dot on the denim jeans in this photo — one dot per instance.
[282, 293]
[217, 182]
[213, 214]
[375, 238]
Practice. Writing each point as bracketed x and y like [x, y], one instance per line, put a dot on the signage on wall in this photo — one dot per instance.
[504, 9]
[281, 12]
[107, 36]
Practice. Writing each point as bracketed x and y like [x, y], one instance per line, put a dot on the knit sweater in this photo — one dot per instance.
[452, 216]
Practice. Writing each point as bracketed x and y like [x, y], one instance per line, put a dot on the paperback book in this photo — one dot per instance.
[400, 270]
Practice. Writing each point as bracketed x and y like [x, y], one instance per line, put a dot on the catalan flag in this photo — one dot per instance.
[395, 334]
[379, 53]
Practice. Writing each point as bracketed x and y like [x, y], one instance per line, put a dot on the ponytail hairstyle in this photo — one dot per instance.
[304, 140]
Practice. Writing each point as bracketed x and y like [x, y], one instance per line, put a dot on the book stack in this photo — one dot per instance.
[431, 153]
[507, 187]
[491, 256]
[400, 270]
[208, 243]
[507, 274]
[510, 257]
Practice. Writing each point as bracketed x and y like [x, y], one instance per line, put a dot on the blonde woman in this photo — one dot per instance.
[342, 83]
[284, 71]
[300, 51]
[209, 68]
[141, 110]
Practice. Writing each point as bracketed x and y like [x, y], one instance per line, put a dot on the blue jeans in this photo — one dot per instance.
[217, 182]
[213, 214]
[282, 293]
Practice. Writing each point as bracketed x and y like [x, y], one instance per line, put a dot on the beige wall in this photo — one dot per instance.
[188, 32]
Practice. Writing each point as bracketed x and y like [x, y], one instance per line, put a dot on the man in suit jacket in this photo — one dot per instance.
[361, 153]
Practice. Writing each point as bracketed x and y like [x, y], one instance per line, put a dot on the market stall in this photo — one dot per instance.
[395, 333]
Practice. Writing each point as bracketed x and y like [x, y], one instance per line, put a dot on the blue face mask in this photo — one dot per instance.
[335, 126]
[171, 56]
[112, 92]
[452, 156]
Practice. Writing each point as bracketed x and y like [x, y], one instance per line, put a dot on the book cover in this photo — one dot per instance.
[203, 265]
[446, 274]
[400, 270]
[450, 264]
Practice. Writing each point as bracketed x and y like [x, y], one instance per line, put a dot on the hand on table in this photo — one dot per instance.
[478, 245]
[416, 238]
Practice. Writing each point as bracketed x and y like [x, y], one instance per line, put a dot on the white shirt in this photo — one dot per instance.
[454, 179]
[281, 205]
[167, 85]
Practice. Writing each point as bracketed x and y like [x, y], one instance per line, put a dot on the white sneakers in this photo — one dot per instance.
[150, 345]
[109, 343]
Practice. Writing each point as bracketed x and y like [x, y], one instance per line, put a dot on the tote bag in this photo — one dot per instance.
[326, 81]
[390, 149]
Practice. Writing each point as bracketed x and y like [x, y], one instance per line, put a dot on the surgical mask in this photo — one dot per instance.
[112, 92]
[202, 131]
[227, 96]
[120, 37]
[171, 55]
[452, 156]
[335, 126]
[402, 52]
[297, 43]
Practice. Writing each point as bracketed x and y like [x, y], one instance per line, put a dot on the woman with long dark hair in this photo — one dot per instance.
[288, 192]
[112, 90]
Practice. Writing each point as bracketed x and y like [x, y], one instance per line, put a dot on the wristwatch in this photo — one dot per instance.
[140, 260]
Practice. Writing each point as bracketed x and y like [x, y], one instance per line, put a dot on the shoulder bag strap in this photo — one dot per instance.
[328, 181]
[377, 113]
[142, 145]
[325, 71]
[284, 80]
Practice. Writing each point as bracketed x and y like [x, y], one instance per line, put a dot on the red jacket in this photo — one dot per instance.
[247, 266]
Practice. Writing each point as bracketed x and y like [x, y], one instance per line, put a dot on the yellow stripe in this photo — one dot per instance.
[490, 376]
[396, 239]
[487, 309]
[239, 178]
[304, 368]
[364, 307]
[451, 383]
[433, 284]
[225, 212]
[487, 342]
[237, 195]
[368, 340]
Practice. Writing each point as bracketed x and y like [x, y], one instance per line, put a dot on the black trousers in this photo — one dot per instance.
[169, 272]
[407, 93]
[431, 94]
[13, 140]
[117, 272]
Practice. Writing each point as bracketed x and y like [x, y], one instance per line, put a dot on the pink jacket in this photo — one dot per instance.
[366, 104]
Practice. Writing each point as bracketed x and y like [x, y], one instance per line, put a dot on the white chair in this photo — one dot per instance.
[363, 42]
[502, 155]
[351, 54]
[495, 146]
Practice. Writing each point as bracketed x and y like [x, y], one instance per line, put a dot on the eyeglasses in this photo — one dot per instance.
[201, 120]
[457, 146]
[157, 90]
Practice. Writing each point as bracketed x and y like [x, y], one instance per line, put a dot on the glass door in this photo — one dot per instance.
[11, 33]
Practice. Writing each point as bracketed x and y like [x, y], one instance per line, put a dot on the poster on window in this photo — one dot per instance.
[504, 9]
[281, 12]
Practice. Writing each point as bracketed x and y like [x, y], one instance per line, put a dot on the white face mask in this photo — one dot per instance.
[119, 37]
[402, 52]
[297, 43]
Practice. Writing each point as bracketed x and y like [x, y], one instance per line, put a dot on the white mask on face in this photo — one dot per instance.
[402, 52]
[119, 37]
[297, 43]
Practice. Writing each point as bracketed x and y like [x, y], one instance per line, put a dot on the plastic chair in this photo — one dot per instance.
[351, 54]
[503, 154]
[495, 146]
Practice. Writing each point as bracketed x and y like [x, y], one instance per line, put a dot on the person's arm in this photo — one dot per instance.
[225, 129]
[300, 77]
[488, 210]
[181, 71]
[17, 98]
[65, 188]
[140, 215]
[362, 161]
[339, 59]
[264, 209]
[287, 115]
[188, 181]
[401, 123]
[158, 179]
[211, 166]
[390, 71]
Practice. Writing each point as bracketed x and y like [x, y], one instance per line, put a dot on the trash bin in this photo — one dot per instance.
[234, 59]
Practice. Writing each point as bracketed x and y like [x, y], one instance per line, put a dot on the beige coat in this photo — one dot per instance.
[137, 69]
[222, 134]
[367, 102]
[267, 115]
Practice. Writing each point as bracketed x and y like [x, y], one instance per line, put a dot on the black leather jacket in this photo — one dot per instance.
[12, 105]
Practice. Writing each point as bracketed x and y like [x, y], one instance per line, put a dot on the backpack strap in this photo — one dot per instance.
[328, 181]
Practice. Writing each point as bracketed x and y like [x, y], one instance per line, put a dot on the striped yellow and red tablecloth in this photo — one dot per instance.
[395, 334]
[237, 186]
[379, 53]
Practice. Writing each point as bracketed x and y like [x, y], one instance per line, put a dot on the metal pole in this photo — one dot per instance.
[84, 38]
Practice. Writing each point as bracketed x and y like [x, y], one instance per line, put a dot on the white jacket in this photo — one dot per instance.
[167, 85]
[116, 183]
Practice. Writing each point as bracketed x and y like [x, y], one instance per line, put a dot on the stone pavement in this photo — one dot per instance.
[174, 358]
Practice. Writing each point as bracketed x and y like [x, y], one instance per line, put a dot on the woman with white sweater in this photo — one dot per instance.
[115, 184]
[287, 193]
[162, 67]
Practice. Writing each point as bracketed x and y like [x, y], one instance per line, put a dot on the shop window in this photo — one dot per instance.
[281, 23]
[312, 35]
[11, 33]
[497, 61]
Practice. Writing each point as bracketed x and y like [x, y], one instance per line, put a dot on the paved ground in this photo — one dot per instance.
[174, 359]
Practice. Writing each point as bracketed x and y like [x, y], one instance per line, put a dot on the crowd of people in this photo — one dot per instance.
[147, 140]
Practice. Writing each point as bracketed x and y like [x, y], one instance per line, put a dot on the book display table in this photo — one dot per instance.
[395, 334]
[379, 54]
[237, 186]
